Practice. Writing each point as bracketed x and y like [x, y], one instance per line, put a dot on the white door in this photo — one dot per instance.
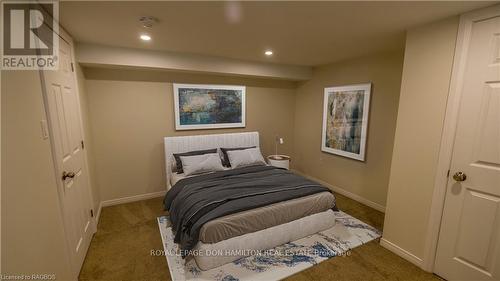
[67, 142]
[469, 239]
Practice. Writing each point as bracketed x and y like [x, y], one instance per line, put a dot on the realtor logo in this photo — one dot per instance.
[30, 35]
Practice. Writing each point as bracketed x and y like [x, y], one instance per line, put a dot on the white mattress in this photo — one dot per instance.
[176, 177]
[261, 240]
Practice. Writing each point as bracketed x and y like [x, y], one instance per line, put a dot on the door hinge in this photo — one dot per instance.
[448, 174]
[92, 212]
[72, 68]
[83, 145]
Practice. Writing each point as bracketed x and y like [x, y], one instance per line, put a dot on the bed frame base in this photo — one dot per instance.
[226, 251]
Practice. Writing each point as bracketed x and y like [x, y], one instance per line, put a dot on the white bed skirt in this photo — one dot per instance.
[229, 250]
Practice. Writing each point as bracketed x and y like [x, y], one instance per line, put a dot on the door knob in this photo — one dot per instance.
[68, 175]
[459, 176]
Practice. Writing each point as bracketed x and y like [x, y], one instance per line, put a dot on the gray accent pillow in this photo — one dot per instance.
[177, 157]
[225, 158]
[245, 157]
[198, 164]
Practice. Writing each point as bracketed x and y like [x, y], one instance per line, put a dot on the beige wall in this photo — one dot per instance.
[424, 91]
[368, 179]
[127, 113]
[32, 225]
[129, 119]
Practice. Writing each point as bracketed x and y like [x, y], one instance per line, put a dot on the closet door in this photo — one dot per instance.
[469, 241]
[67, 142]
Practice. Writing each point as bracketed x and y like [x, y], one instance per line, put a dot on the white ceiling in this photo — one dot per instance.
[299, 33]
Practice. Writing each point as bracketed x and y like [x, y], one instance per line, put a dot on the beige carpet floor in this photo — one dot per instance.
[127, 235]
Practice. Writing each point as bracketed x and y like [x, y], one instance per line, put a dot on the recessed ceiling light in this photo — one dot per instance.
[148, 21]
[145, 37]
[268, 53]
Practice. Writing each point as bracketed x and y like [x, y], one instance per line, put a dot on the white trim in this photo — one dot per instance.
[98, 214]
[346, 193]
[178, 125]
[128, 199]
[85, 138]
[400, 252]
[123, 200]
[366, 87]
[448, 134]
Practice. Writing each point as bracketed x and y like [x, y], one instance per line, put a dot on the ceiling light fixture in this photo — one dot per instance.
[268, 53]
[148, 21]
[145, 37]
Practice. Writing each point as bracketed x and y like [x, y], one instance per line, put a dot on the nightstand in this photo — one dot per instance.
[280, 161]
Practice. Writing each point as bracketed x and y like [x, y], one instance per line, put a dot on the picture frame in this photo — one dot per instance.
[345, 120]
[205, 106]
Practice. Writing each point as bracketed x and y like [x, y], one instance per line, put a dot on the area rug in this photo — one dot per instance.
[301, 254]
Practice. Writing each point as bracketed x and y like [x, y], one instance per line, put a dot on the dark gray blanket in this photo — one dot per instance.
[196, 200]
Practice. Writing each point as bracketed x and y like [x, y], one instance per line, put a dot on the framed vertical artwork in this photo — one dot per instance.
[345, 120]
[209, 106]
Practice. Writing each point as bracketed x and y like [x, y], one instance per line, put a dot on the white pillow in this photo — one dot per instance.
[246, 157]
[198, 164]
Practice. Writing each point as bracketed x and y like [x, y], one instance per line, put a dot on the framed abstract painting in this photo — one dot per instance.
[345, 120]
[209, 106]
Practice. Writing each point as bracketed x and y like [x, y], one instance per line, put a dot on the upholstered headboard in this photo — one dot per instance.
[199, 142]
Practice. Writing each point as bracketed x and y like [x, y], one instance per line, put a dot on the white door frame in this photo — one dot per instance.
[449, 129]
[66, 37]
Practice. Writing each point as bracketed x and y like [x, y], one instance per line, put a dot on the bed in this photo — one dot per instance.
[222, 216]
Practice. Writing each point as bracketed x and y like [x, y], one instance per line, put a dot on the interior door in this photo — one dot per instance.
[469, 239]
[65, 125]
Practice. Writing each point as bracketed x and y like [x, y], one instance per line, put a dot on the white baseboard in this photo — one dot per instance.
[98, 213]
[128, 199]
[346, 193]
[134, 198]
[401, 252]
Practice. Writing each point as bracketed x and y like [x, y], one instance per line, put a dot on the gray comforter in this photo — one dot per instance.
[194, 201]
[260, 218]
